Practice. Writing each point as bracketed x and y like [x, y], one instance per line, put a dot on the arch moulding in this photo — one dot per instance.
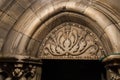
[30, 22]
[63, 29]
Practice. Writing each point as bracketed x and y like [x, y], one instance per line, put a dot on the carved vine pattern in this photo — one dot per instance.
[71, 39]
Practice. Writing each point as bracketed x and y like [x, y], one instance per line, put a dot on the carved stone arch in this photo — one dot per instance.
[23, 43]
[78, 20]
[23, 34]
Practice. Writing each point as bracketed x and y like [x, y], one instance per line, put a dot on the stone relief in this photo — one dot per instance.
[71, 40]
[114, 75]
[19, 71]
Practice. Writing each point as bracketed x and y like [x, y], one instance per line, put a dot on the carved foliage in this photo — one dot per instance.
[19, 71]
[114, 75]
[71, 40]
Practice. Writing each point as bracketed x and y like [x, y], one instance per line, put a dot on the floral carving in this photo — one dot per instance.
[71, 40]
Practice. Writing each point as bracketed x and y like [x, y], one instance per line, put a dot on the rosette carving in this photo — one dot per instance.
[71, 40]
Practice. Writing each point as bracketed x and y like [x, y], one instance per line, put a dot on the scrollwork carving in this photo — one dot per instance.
[71, 40]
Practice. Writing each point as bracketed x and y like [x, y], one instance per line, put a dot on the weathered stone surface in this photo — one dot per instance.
[15, 11]
[4, 4]
[26, 25]
[28, 20]
[114, 37]
[24, 3]
[5, 18]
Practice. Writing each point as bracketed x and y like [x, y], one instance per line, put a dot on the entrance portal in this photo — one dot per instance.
[73, 70]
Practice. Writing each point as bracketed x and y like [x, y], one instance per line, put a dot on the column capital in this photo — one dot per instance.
[112, 60]
[112, 64]
[20, 68]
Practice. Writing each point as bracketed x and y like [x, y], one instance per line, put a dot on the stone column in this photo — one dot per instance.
[20, 68]
[112, 64]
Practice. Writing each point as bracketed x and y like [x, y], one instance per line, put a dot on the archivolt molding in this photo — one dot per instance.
[47, 11]
[66, 39]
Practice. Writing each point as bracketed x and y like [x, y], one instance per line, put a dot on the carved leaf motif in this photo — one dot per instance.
[70, 41]
[60, 37]
[82, 45]
[67, 44]
[59, 50]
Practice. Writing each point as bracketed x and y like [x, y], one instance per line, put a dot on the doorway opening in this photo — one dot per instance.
[73, 70]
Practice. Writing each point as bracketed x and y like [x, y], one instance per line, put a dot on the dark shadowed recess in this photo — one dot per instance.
[73, 70]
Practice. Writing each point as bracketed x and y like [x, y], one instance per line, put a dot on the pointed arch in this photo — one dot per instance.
[25, 41]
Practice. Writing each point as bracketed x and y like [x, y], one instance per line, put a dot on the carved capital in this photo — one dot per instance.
[112, 64]
[16, 69]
